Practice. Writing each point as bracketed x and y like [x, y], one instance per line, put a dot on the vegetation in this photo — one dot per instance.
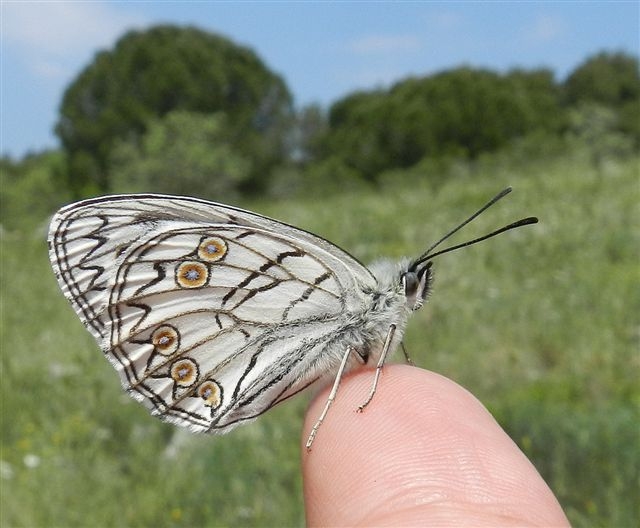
[463, 112]
[151, 73]
[108, 112]
[551, 310]
[613, 81]
[184, 153]
[607, 78]
[31, 190]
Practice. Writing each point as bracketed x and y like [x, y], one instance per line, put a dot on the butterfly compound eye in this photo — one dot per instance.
[417, 285]
[410, 282]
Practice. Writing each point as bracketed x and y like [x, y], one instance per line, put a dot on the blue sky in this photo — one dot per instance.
[323, 50]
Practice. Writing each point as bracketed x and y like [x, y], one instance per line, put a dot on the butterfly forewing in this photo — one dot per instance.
[210, 314]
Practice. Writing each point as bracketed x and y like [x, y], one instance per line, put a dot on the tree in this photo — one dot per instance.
[153, 72]
[182, 153]
[463, 111]
[310, 125]
[611, 79]
[358, 132]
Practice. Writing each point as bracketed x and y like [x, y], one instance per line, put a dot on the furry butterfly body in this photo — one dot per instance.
[212, 314]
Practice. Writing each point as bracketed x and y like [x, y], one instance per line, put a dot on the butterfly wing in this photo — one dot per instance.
[209, 313]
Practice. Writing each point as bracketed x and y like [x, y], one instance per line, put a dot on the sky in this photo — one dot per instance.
[323, 50]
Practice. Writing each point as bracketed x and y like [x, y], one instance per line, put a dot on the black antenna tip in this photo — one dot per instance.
[528, 221]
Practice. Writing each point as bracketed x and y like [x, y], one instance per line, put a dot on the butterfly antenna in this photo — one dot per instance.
[427, 255]
[525, 221]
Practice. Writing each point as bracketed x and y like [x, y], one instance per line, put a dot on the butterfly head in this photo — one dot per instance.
[416, 282]
[401, 284]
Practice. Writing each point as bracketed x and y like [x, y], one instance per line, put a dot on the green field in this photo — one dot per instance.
[541, 324]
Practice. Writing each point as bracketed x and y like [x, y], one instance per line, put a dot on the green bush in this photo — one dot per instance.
[461, 112]
[30, 190]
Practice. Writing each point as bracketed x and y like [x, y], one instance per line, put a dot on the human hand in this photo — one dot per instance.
[424, 452]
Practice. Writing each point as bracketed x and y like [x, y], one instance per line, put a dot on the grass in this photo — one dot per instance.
[541, 324]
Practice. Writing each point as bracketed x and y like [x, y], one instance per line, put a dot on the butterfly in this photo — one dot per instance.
[211, 314]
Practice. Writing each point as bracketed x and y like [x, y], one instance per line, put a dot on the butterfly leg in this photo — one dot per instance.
[383, 357]
[332, 396]
[406, 355]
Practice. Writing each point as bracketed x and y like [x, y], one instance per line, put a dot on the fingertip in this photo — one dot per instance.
[422, 442]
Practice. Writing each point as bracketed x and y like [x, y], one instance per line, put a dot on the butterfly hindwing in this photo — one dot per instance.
[210, 314]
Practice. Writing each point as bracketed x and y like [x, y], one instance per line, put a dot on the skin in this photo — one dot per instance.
[425, 452]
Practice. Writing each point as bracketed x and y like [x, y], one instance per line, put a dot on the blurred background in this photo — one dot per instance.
[378, 126]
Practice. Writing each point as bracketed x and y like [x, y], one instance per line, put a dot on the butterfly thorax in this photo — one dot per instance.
[397, 294]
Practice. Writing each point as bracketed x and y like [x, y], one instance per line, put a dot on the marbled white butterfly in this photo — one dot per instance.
[212, 315]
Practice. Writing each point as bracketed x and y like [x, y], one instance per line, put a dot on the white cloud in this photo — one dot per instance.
[50, 35]
[544, 29]
[375, 44]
